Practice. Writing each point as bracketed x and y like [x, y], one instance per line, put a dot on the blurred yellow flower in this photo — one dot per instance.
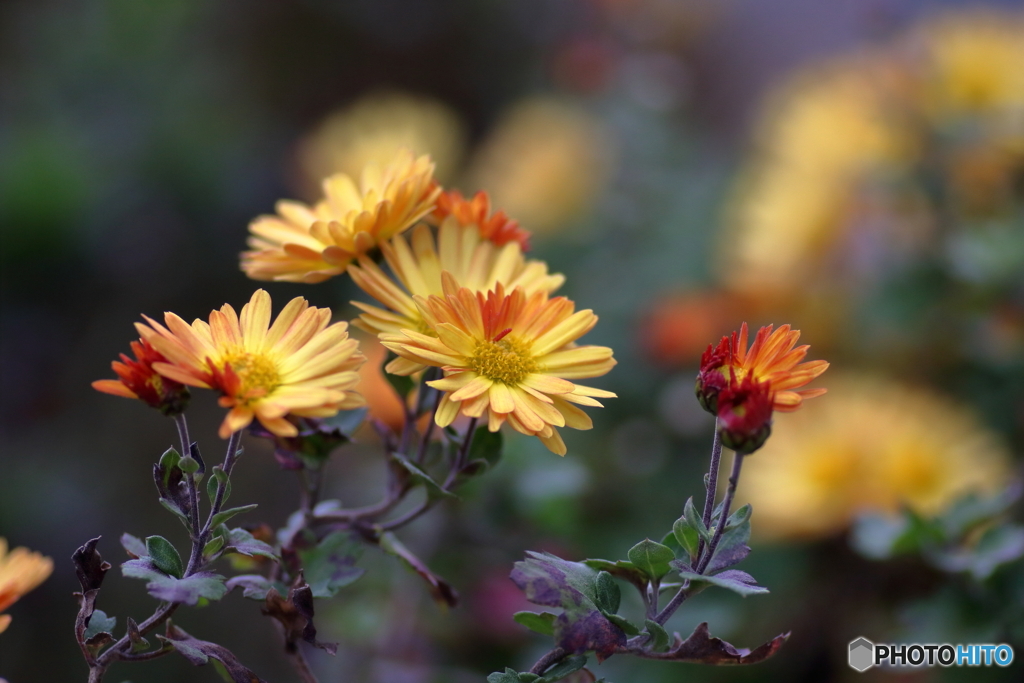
[545, 163]
[837, 189]
[21, 570]
[475, 263]
[375, 128]
[301, 365]
[874, 445]
[509, 357]
[311, 244]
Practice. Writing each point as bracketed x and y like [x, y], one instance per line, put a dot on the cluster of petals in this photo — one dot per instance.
[508, 357]
[497, 227]
[311, 244]
[474, 262]
[745, 413]
[137, 379]
[21, 570]
[773, 358]
[300, 365]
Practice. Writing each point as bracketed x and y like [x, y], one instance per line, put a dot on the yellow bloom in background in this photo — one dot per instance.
[311, 244]
[545, 163]
[375, 128]
[21, 570]
[508, 357]
[475, 263]
[873, 446]
[301, 365]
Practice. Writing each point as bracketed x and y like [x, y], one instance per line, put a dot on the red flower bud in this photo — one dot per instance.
[713, 375]
[138, 379]
[745, 414]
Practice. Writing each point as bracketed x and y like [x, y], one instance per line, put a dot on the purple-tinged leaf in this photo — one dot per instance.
[163, 587]
[727, 557]
[139, 644]
[702, 648]
[254, 586]
[134, 546]
[442, 592]
[244, 543]
[332, 563]
[296, 616]
[732, 579]
[621, 569]
[199, 652]
[89, 566]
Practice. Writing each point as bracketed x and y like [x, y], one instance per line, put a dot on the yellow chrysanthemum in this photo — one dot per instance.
[375, 128]
[311, 244]
[301, 365]
[545, 163]
[508, 357]
[874, 445]
[21, 570]
[475, 263]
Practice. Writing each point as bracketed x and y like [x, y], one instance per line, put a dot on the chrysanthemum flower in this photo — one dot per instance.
[138, 379]
[496, 227]
[21, 570]
[301, 365]
[745, 414]
[874, 445]
[312, 244]
[474, 262]
[772, 358]
[509, 357]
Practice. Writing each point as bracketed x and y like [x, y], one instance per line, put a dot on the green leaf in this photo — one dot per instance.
[434, 490]
[242, 542]
[169, 460]
[542, 623]
[731, 579]
[487, 446]
[213, 546]
[225, 515]
[626, 625]
[564, 668]
[652, 558]
[741, 516]
[332, 563]
[178, 512]
[218, 478]
[188, 465]
[255, 586]
[732, 547]
[509, 676]
[188, 590]
[99, 623]
[694, 520]
[164, 556]
[687, 536]
[346, 422]
[607, 593]
[660, 639]
[621, 569]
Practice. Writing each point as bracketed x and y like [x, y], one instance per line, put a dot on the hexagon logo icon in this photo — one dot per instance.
[862, 654]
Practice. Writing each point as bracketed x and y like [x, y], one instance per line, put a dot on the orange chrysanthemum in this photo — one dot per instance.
[509, 357]
[138, 379]
[312, 244]
[474, 262]
[21, 570]
[299, 366]
[496, 227]
[772, 359]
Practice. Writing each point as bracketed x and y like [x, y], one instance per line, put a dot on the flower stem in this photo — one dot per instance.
[548, 660]
[711, 484]
[734, 478]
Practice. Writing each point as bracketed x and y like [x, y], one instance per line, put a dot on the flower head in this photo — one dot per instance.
[312, 244]
[745, 414]
[496, 227]
[509, 357]
[875, 445]
[138, 379]
[21, 570]
[300, 366]
[474, 262]
[772, 358]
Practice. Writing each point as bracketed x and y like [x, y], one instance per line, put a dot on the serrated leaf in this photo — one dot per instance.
[607, 592]
[164, 556]
[731, 579]
[542, 623]
[225, 515]
[134, 546]
[218, 478]
[331, 564]
[99, 623]
[660, 639]
[187, 590]
[652, 558]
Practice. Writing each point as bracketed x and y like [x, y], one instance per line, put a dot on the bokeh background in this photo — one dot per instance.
[853, 168]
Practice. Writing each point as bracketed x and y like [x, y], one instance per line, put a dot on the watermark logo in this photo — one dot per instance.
[863, 654]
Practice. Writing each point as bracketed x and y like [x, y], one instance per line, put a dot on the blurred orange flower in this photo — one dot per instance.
[509, 357]
[496, 227]
[312, 244]
[301, 365]
[138, 379]
[21, 570]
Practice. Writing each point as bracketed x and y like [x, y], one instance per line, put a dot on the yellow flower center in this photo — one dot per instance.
[507, 361]
[257, 372]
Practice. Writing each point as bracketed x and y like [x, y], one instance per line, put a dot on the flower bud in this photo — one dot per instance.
[713, 375]
[137, 379]
[745, 414]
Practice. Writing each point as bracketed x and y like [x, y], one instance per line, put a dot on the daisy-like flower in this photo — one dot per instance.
[509, 357]
[773, 358]
[473, 261]
[300, 366]
[496, 227]
[311, 244]
[21, 570]
[137, 379]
